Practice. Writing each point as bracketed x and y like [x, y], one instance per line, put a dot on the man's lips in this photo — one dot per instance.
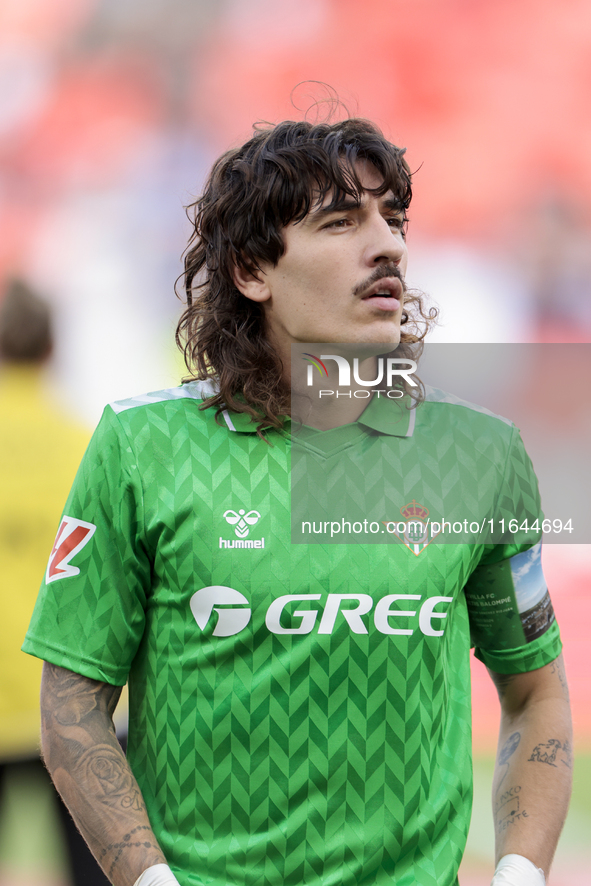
[385, 294]
[382, 303]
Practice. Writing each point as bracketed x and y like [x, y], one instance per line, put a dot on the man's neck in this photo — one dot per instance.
[330, 408]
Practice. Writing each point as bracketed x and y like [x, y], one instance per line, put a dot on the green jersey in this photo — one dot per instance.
[299, 712]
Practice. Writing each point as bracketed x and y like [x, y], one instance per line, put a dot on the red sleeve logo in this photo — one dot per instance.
[71, 537]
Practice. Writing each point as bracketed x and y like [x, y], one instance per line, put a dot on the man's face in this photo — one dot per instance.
[341, 276]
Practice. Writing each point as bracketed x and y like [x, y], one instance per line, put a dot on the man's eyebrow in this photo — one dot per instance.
[343, 205]
[394, 204]
[347, 203]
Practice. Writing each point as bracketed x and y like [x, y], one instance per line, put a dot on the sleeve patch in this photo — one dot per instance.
[531, 593]
[508, 602]
[72, 536]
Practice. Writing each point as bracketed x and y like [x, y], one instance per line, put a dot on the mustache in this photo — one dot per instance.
[379, 274]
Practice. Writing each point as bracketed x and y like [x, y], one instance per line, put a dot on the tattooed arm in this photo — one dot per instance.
[533, 773]
[92, 775]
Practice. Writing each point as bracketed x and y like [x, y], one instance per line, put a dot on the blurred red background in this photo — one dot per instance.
[111, 114]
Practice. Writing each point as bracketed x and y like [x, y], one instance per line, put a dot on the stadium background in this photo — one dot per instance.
[111, 112]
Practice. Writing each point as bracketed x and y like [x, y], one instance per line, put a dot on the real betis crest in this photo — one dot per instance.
[415, 529]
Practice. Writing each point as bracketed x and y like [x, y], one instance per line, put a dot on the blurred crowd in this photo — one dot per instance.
[111, 113]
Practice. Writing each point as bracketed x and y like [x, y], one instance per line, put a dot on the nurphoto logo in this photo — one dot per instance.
[389, 370]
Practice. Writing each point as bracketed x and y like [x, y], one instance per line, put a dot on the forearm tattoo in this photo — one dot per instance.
[509, 809]
[557, 668]
[552, 752]
[109, 778]
[90, 770]
[506, 753]
[127, 842]
[509, 747]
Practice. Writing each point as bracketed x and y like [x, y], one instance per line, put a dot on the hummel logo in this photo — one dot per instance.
[241, 521]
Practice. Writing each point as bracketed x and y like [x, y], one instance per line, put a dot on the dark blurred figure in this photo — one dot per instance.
[40, 449]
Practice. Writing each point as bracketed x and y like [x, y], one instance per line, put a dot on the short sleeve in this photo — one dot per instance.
[512, 621]
[518, 515]
[90, 613]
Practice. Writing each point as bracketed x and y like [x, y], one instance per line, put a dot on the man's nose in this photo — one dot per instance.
[385, 243]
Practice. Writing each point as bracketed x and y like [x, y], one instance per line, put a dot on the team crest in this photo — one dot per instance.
[242, 521]
[71, 537]
[413, 531]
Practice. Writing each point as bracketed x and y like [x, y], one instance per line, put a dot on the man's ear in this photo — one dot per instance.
[251, 285]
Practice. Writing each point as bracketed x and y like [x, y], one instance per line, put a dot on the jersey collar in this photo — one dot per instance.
[392, 417]
[384, 415]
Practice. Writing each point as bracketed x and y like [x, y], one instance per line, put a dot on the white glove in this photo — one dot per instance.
[515, 870]
[157, 875]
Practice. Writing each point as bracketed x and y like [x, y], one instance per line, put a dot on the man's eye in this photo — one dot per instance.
[339, 223]
[399, 223]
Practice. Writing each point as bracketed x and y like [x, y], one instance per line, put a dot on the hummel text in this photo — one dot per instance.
[240, 543]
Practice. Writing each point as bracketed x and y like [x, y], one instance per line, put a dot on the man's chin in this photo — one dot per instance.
[369, 347]
[361, 345]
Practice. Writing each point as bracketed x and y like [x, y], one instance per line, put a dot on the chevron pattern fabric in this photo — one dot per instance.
[299, 713]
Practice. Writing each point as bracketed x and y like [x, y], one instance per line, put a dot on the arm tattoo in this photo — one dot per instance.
[91, 772]
[557, 668]
[70, 697]
[126, 840]
[506, 753]
[567, 757]
[548, 753]
[108, 776]
[509, 809]
[125, 843]
[509, 747]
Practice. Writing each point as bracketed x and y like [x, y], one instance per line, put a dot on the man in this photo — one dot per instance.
[278, 734]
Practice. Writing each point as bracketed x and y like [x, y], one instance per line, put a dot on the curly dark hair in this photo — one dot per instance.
[252, 193]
